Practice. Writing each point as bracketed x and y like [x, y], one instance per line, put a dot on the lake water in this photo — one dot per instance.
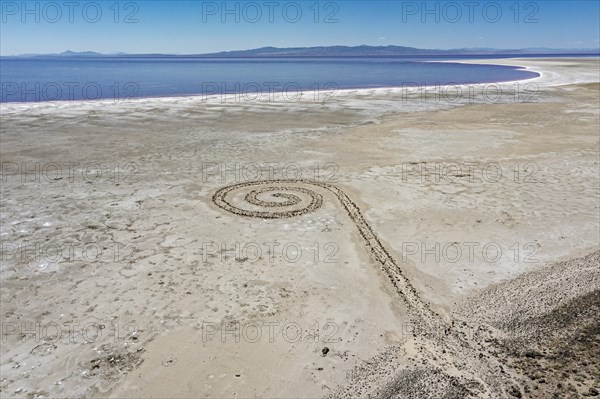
[50, 79]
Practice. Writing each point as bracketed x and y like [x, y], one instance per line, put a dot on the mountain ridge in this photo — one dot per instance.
[333, 51]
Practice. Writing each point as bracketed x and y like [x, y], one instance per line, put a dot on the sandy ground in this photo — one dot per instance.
[380, 243]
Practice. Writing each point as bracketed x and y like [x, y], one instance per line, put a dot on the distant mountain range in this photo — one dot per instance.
[335, 51]
[364, 51]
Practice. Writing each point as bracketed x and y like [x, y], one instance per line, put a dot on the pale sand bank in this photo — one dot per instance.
[168, 297]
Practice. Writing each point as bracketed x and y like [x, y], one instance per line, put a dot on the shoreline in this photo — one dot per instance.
[546, 79]
[199, 97]
[278, 98]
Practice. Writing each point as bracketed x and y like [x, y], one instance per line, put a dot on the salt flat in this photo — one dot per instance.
[122, 277]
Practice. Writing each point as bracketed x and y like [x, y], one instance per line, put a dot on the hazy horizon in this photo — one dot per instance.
[68, 50]
[182, 27]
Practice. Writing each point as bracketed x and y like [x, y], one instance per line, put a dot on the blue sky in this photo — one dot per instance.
[185, 27]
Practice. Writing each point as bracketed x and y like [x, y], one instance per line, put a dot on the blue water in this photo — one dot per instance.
[50, 79]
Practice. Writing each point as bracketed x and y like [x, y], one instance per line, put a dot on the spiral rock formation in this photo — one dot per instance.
[277, 199]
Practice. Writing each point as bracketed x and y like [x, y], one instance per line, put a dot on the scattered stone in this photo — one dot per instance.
[515, 392]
